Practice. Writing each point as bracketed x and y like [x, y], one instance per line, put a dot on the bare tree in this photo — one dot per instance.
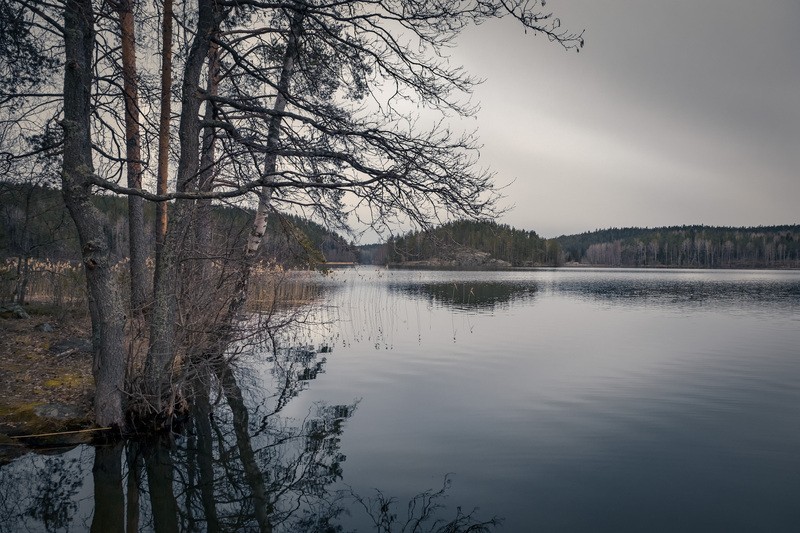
[162, 353]
[293, 105]
[294, 125]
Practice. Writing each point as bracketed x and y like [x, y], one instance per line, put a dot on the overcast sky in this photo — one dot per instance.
[679, 112]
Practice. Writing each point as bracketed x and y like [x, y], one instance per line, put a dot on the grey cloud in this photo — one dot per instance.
[675, 112]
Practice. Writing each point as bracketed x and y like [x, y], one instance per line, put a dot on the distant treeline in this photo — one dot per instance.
[35, 224]
[686, 246]
[518, 247]
[676, 246]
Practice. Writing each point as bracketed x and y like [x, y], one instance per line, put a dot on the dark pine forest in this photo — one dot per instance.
[687, 246]
[676, 246]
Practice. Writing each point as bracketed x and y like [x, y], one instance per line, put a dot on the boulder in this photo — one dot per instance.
[58, 411]
[13, 311]
[71, 346]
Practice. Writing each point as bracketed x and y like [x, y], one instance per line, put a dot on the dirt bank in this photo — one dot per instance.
[46, 381]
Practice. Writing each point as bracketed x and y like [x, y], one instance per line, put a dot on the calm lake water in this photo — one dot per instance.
[556, 400]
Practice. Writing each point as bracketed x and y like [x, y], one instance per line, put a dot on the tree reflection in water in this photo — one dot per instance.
[469, 296]
[239, 465]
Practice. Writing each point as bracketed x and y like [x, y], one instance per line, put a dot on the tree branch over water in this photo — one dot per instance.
[341, 108]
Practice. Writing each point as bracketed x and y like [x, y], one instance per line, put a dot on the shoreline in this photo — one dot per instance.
[46, 383]
[466, 268]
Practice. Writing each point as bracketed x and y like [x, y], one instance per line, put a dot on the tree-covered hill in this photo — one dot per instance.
[35, 224]
[675, 246]
[687, 246]
[500, 241]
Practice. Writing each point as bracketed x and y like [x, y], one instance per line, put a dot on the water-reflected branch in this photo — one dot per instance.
[53, 495]
[242, 466]
[201, 448]
[422, 513]
[159, 466]
[133, 459]
[241, 427]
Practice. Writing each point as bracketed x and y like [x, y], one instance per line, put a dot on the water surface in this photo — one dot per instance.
[559, 400]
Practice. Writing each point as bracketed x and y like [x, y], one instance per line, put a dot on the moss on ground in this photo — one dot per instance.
[44, 389]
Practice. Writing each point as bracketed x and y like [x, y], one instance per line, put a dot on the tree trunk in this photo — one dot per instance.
[259, 226]
[24, 259]
[207, 159]
[262, 505]
[163, 126]
[160, 471]
[273, 137]
[138, 247]
[162, 353]
[105, 298]
[23, 275]
[109, 500]
[202, 414]
[134, 482]
[200, 309]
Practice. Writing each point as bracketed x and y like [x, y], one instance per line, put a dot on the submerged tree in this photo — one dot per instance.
[297, 105]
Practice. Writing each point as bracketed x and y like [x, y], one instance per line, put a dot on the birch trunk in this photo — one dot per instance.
[273, 137]
[263, 506]
[259, 226]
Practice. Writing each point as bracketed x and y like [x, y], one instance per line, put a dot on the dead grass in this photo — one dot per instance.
[43, 368]
[58, 284]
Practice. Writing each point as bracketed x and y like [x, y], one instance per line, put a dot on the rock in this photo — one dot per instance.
[13, 311]
[45, 327]
[469, 258]
[58, 411]
[71, 345]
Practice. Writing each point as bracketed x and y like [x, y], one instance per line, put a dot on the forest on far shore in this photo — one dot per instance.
[517, 247]
[686, 246]
[675, 246]
[35, 225]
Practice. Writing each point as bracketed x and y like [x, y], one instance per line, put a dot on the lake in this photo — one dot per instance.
[554, 400]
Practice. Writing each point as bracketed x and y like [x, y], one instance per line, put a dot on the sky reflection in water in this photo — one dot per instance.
[579, 399]
[602, 400]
